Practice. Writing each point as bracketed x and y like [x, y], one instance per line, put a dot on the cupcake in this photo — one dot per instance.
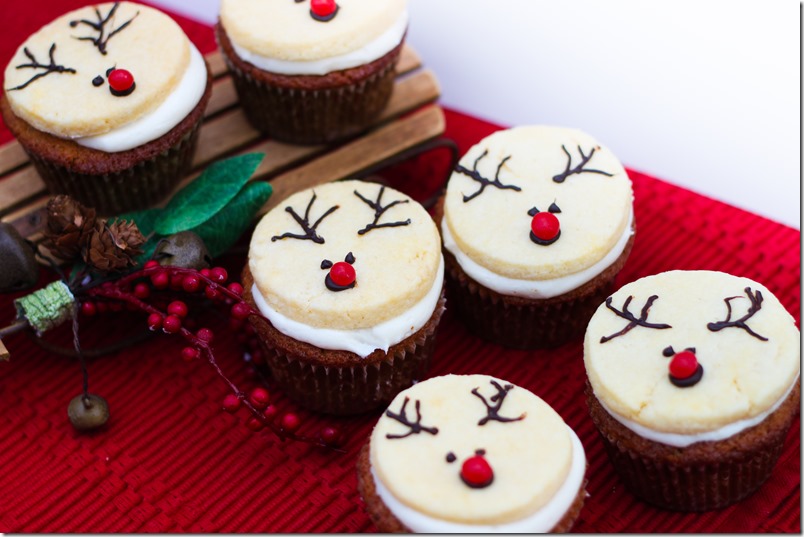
[693, 384]
[468, 454]
[536, 223]
[349, 279]
[107, 100]
[312, 72]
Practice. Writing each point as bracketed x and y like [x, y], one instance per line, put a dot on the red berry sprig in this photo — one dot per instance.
[132, 290]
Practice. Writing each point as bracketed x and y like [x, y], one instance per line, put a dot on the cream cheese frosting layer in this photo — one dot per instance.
[159, 122]
[284, 30]
[529, 288]
[72, 99]
[361, 341]
[743, 338]
[537, 465]
[379, 47]
[504, 181]
[388, 239]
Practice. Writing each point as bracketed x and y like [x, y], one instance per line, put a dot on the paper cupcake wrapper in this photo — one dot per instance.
[313, 116]
[138, 187]
[523, 323]
[688, 479]
[360, 386]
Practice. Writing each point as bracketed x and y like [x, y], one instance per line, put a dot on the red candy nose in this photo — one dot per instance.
[545, 226]
[476, 472]
[342, 274]
[121, 80]
[323, 8]
[683, 365]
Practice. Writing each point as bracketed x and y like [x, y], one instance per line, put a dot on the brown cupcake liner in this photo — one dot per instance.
[341, 382]
[700, 477]
[311, 113]
[386, 522]
[138, 187]
[524, 323]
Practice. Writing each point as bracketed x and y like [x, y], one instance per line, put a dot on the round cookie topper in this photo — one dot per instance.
[537, 202]
[345, 255]
[292, 30]
[471, 449]
[96, 68]
[688, 352]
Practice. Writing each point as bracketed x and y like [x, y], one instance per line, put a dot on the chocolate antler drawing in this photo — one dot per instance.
[100, 26]
[474, 174]
[379, 210]
[415, 428]
[633, 321]
[50, 68]
[580, 167]
[756, 305]
[497, 399]
[310, 233]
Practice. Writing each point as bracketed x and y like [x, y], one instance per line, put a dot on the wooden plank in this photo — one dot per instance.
[29, 219]
[231, 130]
[217, 66]
[18, 187]
[360, 154]
[12, 156]
[223, 96]
[414, 91]
[408, 60]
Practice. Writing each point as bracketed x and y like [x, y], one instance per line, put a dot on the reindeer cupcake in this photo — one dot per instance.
[468, 454]
[349, 276]
[536, 222]
[106, 100]
[693, 385]
[312, 71]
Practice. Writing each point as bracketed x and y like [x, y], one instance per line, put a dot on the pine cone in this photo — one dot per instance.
[69, 225]
[113, 246]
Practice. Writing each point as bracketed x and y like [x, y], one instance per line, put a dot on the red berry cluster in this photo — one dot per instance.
[134, 289]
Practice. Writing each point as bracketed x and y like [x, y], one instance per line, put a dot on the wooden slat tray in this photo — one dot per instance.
[405, 123]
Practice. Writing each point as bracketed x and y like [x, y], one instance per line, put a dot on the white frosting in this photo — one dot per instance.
[361, 341]
[685, 440]
[534, 288]
[166, 116]
[374, 50]
[541, 521]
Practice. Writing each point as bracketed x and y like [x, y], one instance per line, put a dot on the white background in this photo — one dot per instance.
[705, 94]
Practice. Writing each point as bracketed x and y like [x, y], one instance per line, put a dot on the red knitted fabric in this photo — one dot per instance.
[170, 460]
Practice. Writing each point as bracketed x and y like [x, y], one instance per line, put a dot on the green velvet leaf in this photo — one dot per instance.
[222, 230]
[202, 199]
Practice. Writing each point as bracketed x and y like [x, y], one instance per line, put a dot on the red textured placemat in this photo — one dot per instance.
[171, 461]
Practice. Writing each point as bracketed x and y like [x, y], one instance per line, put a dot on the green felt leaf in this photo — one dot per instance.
[222, 230]
[202, 199]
